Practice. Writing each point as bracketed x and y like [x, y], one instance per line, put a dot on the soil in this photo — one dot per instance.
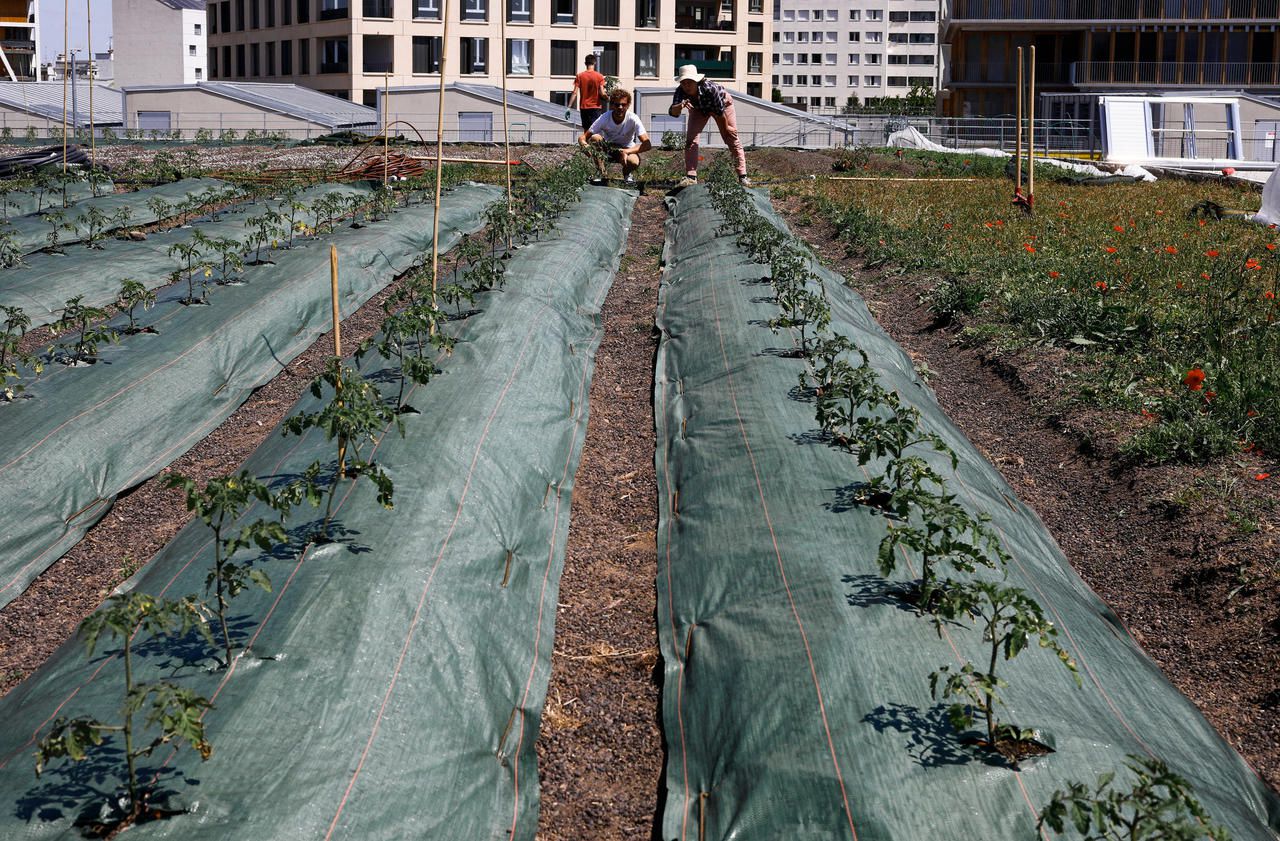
[600, 747]
[1185, 555]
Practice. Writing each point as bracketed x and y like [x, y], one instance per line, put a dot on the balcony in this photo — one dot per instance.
[980, 73]
[720, 69]
[1127, 74]
[1146, 11]
[711, 14]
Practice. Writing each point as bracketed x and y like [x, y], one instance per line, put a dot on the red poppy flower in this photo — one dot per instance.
[1269, 295]
[1252, 263]
[999, 223]
[1252, 413]
[1170, 249]
[1178, 284]
[1194, 379]
[1261, 476]
[1204, 275]
[1212, 252]
[1209, 395]
[1118, 228]
[1055, 274]
[946, 226]
[1271, 246]
[1031, 249]
[1101, 286]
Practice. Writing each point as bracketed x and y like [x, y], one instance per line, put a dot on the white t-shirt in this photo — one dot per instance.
[624, 134]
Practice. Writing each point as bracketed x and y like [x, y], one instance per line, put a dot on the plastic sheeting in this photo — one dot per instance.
[87, 433]
[42, 286]
[1269, 213]
[796, 700]
[24, 202]
[396, 676]
[31, 233]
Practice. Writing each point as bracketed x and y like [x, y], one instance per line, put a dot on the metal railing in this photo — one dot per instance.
[1145, 11]
[1172, 73]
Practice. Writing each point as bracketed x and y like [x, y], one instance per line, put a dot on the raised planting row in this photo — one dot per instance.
[865, 634]
[83, 433]
[91, 220]
[1167, 310]
[199, 254]
[48, 189]
[389, 684]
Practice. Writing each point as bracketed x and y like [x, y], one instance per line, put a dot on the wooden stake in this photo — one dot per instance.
[1031, 132]
[337, 349]
[1018, 122]
[435, 222]
[88, 22]
[506, 124]
[66, 45]
[386, 139]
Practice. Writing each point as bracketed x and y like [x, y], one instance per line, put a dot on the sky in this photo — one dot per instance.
[50, 19]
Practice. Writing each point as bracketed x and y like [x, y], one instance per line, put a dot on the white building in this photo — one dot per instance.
[19, 40]
[159, 42]
[825, 51]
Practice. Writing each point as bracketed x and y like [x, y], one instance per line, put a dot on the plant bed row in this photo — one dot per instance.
[389, 681]
[863, 628]
[89, 432]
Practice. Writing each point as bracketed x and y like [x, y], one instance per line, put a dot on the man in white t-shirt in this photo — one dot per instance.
[623, 132]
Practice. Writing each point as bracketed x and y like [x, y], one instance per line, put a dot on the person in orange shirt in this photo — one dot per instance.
[588, 93]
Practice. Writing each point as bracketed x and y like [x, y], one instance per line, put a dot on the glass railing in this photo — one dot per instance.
[1144, 10]
[1189, 73]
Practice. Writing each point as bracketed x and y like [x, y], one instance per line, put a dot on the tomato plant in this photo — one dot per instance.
[132, 295]
[79, 318]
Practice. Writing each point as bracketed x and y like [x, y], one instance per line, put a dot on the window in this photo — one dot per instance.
[286, 55]
[921, 38]
[788, 58]
[271, 13]
[755, 62]
[788, 14]
[815, 101]
[875, 37]
[519, 57]
[897, 59]
[920, 59]
[897, 81]
[755, 33]
[564, 11]
[647, 14]
[226, 60]
[787, 37]
[801, 14]
[855, 37]
[304, 57]
[334, 55]
[788, 80]
[253, 60]
[213, 63]
[240, 60]
[520, 11]
[854, 58]
[755, 89]
[474, 55]
[802, 37]
[286, 12]
[475, 10]
[832, 37]
[898, 17]
[606, 15]
[871, 81]
[647, 60]
[224, 16]
[377, 54]
[853, 82]
[855, 14]
[920, 81]
[829, 101]
[304, 12]
[191, 49]
[873, 58]
[269, 50]
[801, 58]
[606, 58]
[333, 9]
[875, 14]
[379, 9]
[426, 9]
[927, 17]
[802, 81]
[199, 28]
[426, 53]
[211, 15]
[897, 37]
[564, 58]
[239, 15]
[829, 14]
[829, 81]
[756, 6]
[815, 37]
[829, 58]
[254, 21]
[815, 58]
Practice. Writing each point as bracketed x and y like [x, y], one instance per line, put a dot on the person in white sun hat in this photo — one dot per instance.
[705, 100]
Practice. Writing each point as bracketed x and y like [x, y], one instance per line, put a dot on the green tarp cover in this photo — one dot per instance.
[405, 692]
[43, 286]
[88, 433]
[796, 701]
[31, 233]
[23, 202]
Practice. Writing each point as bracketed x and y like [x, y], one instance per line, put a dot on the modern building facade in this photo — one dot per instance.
[1108, 46]
[19, 40]
[825, 51]
[353, 48]
[159, 42]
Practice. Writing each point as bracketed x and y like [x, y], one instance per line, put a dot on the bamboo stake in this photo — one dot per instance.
[88, 22]
[1018, 121]
[337, 348]
[506, 124]
[1031, 132]
[386, 140]
[66, 46]
[435, 222]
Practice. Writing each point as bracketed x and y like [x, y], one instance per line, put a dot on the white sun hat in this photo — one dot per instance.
[688, 71]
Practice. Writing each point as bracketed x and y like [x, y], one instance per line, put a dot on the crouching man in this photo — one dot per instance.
[623, 133]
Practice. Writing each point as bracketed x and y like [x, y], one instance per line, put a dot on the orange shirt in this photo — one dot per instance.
[590, 84]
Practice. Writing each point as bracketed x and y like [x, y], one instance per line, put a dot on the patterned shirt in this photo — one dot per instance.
[711, 98]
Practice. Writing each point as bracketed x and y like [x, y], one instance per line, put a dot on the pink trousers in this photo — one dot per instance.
[728, 132]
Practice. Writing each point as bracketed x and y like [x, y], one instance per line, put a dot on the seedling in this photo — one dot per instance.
[10, 253]
[41, 182]
[264, 229]
[7, 188]
[292, 207]
[132, 295]
[1159, 807]
[94, 221]
[78, 317]
[57, 222]
[160, 208]
[1010, 619]
[16, 323]
[99, 182]
[188, 256]
[120, 219]
[176, 713]
[220, 504]
[405, 335]
[356, 414]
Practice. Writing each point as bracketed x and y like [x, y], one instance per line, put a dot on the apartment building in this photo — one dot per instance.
[1108, 46]
[351, 49]
[825, 51]
[159, 42]
[19, 40]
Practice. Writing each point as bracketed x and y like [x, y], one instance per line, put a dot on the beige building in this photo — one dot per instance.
[207, 110]
[158, 42]
[347, 49]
